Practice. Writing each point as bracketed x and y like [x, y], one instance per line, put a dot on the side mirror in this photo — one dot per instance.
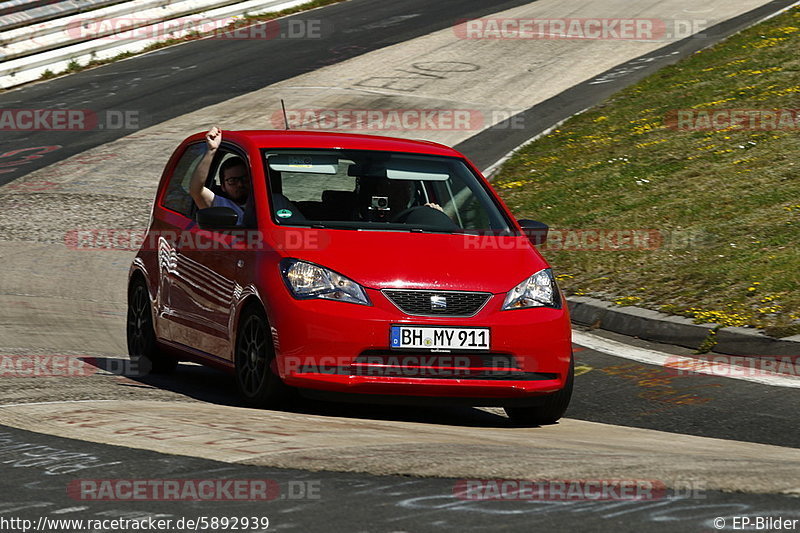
[217, 218]
[536, 231]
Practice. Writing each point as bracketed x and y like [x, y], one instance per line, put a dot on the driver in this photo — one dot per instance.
[381, 199]
[234, 179]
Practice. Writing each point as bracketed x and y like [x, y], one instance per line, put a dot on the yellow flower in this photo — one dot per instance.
[627, 300]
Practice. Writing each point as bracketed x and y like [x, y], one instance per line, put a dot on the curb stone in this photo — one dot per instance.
[670, 329]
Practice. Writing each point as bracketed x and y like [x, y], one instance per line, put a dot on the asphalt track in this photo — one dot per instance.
[172, 82]
[341, 502]
[609, 390]
[180, 79]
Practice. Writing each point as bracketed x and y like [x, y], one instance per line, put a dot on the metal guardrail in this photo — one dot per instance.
[99, 23]
[28, 15]
[12, 6]
[54, 47]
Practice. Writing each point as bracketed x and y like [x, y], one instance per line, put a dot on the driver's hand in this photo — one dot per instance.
[213, 138]
[435, 206]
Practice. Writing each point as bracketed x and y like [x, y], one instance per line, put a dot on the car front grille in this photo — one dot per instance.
[437, 303]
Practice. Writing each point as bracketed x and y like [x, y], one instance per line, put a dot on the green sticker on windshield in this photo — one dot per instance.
[284, 213]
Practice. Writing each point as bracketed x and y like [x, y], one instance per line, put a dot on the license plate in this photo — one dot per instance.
[439, 338]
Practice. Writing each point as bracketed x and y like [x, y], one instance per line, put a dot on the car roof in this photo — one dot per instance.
[333, 140]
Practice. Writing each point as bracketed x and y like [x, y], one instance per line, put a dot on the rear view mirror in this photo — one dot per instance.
[217, 218]
[535, 231]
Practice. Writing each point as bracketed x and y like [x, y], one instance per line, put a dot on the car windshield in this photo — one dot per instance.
[372, 190]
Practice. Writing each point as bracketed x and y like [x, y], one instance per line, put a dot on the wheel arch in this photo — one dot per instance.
[250, 300]
[139, 272]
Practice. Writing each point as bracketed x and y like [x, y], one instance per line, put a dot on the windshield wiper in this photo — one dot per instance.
[456, 231]
[329, 226]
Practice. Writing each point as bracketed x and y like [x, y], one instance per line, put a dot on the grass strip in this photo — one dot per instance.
[723, 203]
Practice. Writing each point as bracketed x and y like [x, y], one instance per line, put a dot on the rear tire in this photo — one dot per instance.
[141, 336]
[554, 406]
[258, 385]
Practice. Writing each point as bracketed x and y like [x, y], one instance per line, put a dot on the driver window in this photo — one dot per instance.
[229, 180]
[177, 197]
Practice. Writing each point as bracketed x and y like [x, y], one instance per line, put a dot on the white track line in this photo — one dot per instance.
[54, 402]
[685, 365]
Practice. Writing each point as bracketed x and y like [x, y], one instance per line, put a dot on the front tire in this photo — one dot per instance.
[554, 406]
[258, 385]
[141, 336]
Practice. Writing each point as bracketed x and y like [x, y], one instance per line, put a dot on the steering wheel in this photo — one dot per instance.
[403, 215]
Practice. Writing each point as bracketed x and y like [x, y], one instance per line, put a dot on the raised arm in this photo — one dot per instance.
[202, 195]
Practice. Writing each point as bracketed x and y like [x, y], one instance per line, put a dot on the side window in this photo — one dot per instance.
[177, 197]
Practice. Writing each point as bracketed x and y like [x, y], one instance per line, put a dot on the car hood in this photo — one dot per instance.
[387, 259]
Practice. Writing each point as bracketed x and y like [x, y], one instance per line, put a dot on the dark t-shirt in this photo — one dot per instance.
[221, 201]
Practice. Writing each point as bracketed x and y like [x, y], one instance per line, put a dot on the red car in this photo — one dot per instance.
[357, 267]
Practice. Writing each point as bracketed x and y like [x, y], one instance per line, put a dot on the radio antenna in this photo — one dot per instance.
[285, 120]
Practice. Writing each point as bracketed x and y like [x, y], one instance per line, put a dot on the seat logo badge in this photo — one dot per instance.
[438, 302]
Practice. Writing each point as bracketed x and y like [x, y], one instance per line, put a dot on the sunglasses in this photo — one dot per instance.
[233, 180]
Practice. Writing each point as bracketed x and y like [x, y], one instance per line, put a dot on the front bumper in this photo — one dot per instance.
[344, 348]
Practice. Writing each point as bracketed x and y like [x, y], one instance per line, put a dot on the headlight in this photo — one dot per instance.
[539, 290]
[307, 281]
